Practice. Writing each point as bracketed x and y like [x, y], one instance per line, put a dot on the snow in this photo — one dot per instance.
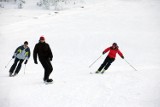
[77, 37]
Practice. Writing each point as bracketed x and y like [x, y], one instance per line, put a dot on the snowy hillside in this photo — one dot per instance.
[77, 37]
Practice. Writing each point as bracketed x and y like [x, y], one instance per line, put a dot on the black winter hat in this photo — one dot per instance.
[115, 44]
[26, 42]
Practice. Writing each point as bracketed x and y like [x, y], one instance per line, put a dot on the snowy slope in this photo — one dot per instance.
[77, 37]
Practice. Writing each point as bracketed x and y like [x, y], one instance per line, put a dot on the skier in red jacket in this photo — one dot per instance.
[113, 50]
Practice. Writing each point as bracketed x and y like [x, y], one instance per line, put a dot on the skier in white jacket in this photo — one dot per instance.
[21, 53]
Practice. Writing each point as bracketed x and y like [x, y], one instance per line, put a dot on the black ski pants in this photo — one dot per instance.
[47, 68]
[15, 64]
[106, 63]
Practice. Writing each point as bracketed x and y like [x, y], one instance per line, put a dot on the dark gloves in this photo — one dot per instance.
[122, 57]
[13, 57]
[50, 59]
[35, 62]
[26, 62]
[103, 53]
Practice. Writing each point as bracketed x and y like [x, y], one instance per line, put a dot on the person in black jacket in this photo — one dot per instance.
[43, 50]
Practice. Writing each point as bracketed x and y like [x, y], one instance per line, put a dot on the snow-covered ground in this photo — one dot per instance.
[77, 37]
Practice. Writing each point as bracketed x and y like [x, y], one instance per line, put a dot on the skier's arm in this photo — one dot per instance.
[16, 52]
[120, 54]
[50, 53]
[35, 51]
[28, 54]
[106, 50]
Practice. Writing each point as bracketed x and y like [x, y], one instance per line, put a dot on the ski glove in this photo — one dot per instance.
[50, 59]
[103, 53]
[26, 62]
[15, 54]
[122, 57]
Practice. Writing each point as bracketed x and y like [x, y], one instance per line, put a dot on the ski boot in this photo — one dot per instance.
[10, 74]
[48, 81]
[15, 74]
[97, 71]
[103, 71]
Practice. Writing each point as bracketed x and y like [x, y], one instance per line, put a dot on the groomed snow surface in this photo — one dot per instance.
[77, 37]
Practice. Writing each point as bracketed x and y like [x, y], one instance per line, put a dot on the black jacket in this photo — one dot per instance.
[43, 51]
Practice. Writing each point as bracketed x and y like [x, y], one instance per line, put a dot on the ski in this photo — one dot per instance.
[95, 73]
[47, 83]
[100, 72]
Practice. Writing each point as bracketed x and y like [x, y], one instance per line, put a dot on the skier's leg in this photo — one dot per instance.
[13, 66]
[102, 65]
[18, 67]
[49, 69]
[45, 66]
[110, 60]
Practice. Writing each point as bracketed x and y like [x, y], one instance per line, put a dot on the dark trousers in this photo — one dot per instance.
[15, 64]
[47, 68]
[106, 63]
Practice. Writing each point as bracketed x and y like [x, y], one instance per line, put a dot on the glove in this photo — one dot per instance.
[122, 57]
[13, 57]
[50, 59]
[103, 53]
[35, 62]
[26, 62]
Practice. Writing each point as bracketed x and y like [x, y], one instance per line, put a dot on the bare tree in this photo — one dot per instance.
[58, 4]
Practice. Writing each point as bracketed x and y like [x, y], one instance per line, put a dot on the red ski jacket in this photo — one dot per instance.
[112, 52]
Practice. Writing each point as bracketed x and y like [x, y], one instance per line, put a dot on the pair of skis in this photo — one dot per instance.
[95, 73]
[98, 72]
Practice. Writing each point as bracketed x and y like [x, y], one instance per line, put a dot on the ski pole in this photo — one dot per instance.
[130, 65]
[95, 61]
[24, 69]
[8, 63]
